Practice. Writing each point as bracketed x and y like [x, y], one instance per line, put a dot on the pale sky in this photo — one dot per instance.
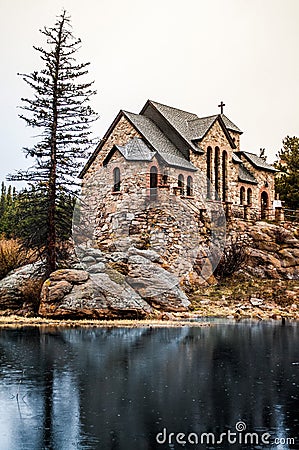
[190, 54]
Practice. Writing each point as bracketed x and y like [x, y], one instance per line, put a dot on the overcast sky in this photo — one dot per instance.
[190, 54]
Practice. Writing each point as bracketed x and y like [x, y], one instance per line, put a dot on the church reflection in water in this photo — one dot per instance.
[117, 388]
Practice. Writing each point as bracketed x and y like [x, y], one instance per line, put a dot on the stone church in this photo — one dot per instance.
[177, 147]
[164, 153]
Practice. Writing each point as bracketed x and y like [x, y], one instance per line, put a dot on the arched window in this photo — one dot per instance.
[116, 179]
[216, 170]
[209, 171]
[189, 186]
[242, 195]
[153, 182]
[264, 205]
[181, 183]
[249, 196]
[224, 176]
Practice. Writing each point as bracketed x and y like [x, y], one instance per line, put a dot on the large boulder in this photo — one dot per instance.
[125, 285]
[154, 284]
[12, 292]
[273, 250]
[77, 294]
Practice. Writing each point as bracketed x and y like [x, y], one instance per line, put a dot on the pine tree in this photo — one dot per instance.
[7, 210]
[9, 196]
[60, 110]
[287, 182]
[2, 199]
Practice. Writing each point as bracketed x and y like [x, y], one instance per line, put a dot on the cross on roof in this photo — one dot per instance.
[221, 106]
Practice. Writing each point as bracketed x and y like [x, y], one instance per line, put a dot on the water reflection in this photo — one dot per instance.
[117, 388]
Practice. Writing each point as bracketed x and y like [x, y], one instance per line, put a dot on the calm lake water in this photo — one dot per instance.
[120, 388]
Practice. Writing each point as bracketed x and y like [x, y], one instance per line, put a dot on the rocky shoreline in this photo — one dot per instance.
[14, 321]
[200, 318]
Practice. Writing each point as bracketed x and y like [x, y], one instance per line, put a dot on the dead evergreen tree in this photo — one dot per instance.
[60, 110]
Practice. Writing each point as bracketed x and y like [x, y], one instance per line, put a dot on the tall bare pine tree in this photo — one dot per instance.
[60, 110]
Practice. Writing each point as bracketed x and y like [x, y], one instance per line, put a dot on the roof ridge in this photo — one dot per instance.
[139, 115]
[250, 153]
[230, 125]
[129, 112]
[172, 107]
[255, 154]
[201, 118]
[166, 149]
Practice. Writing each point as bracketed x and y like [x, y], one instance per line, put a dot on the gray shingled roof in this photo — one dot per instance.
[187, 124]
[245, 175]
[190, 125]
[258, 162]
[236, 159]
[179, 120]
[136, 150]
[198, 127]
[229, 124]
[158, 141]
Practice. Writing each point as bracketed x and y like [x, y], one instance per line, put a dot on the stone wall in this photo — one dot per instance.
[168, 222]
[236, 138]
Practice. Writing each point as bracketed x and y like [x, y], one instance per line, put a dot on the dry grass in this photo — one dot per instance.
[12, 255]
[232, 298]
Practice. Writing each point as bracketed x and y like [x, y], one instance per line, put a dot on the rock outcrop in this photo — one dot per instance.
[154, 284]
[137, 283]
[273, 251]
[75, 293]
[12, 287]
[113, 285]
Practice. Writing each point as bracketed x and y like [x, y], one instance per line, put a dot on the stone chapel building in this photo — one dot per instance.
[164, 152]
[157, 178]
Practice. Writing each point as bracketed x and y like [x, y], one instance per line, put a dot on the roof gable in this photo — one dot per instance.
[169, 131]
[100, 144]
[173, 123]
[134, 150]
[189, 126]
[209, 125]
[158, 141]
[199, 127]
